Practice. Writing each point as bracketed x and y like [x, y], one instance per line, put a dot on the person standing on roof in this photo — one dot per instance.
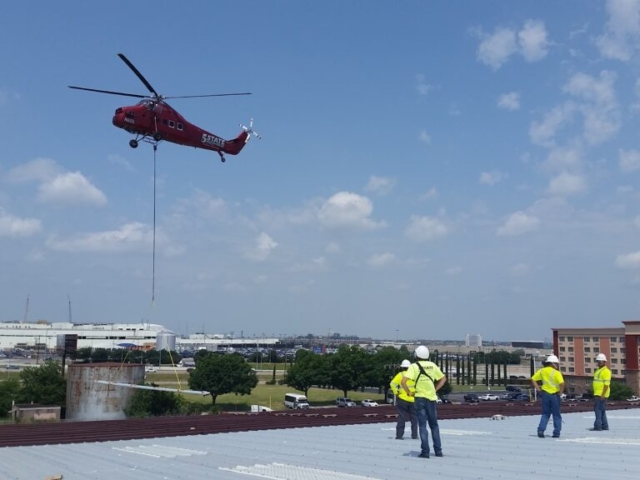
[404, 403]
[552, 387]
[601, 390]
[428, 379]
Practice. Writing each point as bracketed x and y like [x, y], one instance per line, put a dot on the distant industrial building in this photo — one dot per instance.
[538, 345]
[577, 348]
[473, 340]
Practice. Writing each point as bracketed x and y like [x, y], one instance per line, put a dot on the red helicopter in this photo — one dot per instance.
[153, 120]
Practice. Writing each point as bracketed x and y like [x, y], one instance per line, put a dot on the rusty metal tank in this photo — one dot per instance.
[89, 400]
[166, 341]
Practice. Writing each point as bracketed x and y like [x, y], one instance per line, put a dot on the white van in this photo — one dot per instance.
[295, 401]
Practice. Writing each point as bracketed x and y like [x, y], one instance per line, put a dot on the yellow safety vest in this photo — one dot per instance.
[601, 377]
[396, 387]
[551, 379]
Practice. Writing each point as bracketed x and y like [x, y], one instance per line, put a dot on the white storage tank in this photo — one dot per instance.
[166, 341]
[89, 400]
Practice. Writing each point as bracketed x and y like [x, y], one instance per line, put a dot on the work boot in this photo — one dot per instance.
[541, 434]
[423, 455]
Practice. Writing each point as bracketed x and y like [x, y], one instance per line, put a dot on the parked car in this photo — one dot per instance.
[488, 396]
[513, 388]
[368, 403]
[443, 400]
[633, 399]
[522, 397]
[471, 398]
[345, 402]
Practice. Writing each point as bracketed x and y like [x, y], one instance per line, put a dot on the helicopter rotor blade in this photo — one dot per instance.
[214, 95]
[138, 74]
[122, 94]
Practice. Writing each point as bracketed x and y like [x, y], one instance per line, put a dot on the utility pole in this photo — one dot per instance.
[70, 319]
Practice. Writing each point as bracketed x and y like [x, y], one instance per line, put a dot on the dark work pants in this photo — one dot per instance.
[600, 409]
[406, 413]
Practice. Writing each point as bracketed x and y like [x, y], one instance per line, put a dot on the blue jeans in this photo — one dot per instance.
[600, 409]
[427, 412]
[550, 406]
[406, 413]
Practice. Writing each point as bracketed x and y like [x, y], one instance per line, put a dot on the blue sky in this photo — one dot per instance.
[427, 169]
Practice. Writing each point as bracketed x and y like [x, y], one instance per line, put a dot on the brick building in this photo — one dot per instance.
[577, 348]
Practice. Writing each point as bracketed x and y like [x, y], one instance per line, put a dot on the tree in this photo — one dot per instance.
[43, 384]
[306, 372]
[221, 374]
[620, 391]
[153, 403]
[9, 393]
[385, 365]
[348, 368]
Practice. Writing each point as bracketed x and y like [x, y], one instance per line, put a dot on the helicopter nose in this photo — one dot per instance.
[118, 118]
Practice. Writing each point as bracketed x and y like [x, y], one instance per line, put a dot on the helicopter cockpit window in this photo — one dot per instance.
[180, 126]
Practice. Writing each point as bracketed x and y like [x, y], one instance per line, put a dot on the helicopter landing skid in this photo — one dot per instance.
[222, 159]
[134, 142]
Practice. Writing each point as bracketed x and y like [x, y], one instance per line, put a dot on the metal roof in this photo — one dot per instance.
[478, 448]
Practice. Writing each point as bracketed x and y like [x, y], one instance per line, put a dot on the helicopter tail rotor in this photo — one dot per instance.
[249, 129]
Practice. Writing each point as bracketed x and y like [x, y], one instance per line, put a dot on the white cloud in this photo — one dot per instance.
[380, 185]
[119, 160]
[348, 210]
[380, 260]
[509, 101]
[543, 133]
[130, 237]
[57, 186]
[71, 189]
[566, 184]
[518, 223]
[425, 228]
[424, 137]
[262, 248]
[429, 194]
[315, 265]
[38, 170]
[563, 159]
[628, 260]
[453, 271]
[622, 30]
[495, 49]
[520, 269]
[629, 160]
[600, 111]
[333, 248]
[12, 226]
[422, 86]
[533, 41]
[491, 178]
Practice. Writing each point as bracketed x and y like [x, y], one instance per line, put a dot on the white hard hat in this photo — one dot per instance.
[601, 357]
[422, 352]
[552, 359]
[405, 364]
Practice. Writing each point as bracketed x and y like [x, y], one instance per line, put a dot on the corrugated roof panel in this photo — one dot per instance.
[473, 449]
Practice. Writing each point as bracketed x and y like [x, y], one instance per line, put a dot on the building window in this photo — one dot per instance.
[587, 349]
[587, 359]
[571, 359]
[587, 370]
[623, 350]
[621, 339]
[614, 350]
[562, 349]
[614, 371]
[571, 369]
[569, 339]
[614, 360]
[596, 350]
[586, 339]
[596, 339]
[563, 359]
[613, 339]
[561, 339]
[570, 349]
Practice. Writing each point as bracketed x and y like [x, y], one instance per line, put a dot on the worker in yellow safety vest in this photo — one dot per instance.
[404, 403]
[552, 387]
[601, 391]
